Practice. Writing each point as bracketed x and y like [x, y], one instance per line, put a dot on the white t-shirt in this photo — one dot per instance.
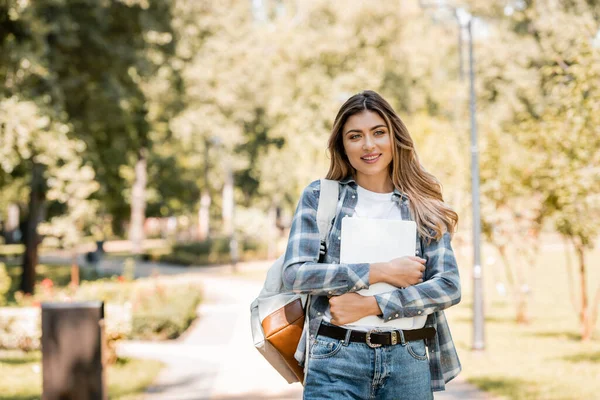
[381, 206]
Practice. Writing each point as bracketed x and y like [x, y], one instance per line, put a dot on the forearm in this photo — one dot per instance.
[325, 279]
[425, 298]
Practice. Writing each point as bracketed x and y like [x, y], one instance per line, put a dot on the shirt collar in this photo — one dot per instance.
[349, 180]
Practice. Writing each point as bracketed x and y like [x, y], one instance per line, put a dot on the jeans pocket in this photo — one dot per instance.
[417, 349]
[324, 348]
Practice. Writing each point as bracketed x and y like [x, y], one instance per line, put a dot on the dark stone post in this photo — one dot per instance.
[73, 351]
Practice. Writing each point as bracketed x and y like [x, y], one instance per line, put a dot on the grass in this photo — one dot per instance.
[21, 376]
[542, 360]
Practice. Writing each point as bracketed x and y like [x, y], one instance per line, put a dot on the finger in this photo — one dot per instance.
[422, 268]
[417, 259]
[420, 281]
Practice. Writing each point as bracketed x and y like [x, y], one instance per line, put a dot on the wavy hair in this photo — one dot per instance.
[432, 215]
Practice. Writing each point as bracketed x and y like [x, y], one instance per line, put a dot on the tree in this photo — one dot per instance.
[545, 103]
[32, 140]
[82, 66]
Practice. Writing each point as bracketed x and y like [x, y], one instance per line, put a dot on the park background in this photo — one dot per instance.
[182, 132]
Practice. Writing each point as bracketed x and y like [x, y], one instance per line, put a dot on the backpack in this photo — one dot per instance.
[277, 315]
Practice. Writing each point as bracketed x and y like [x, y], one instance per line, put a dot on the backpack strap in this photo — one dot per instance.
[328, 199]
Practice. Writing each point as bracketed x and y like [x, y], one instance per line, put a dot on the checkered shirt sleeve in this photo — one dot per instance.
[302, 273]
[440, 289]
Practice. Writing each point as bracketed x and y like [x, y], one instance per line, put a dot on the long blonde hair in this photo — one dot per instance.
[432, 215]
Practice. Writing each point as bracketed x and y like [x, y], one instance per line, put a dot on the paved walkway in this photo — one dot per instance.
[215, 359]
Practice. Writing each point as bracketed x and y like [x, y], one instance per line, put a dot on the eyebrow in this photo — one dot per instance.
[359, 131]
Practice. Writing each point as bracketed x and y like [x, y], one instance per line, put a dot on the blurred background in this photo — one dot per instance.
[141, 139]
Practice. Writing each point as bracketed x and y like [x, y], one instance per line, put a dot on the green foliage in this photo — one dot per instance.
[77, 79]
[165, 314]
[159, 309]
[213, 251]
[11, 250]
[5, 283]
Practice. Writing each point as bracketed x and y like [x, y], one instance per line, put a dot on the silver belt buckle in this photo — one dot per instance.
[394, 337]
[368, 339]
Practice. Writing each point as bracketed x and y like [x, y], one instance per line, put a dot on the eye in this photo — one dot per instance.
[353, 137]
[379, 133]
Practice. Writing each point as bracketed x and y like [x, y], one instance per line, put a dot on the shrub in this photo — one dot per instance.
[164, 311]
[143, 309]
[20, 328]
[5, 283]
[212, 251]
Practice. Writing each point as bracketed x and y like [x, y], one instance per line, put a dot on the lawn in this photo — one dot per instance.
[21, 376]
[542, 360]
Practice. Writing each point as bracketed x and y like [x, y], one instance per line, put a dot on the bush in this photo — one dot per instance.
[164, 313]
[20, 328]
[143, 309]
[5, 282]
[212, 251]
[159, 310]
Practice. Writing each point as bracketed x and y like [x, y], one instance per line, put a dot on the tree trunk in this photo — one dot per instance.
[570, 283]
[517, 286]
[138, 203]
[36, 202]
[507, 267]
[228, 203]
[522, 303]
[594, 312]
[203, 212]
[584, 312]
[203, 216]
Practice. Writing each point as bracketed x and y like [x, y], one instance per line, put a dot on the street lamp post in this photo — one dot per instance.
[465, 21]
[478, 317]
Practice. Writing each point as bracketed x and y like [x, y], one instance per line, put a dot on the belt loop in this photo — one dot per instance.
[402, 340]
[346, 340]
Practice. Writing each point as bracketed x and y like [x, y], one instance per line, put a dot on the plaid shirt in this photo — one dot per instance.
[303, 273]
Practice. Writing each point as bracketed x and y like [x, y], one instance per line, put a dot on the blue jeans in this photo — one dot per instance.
[354, 370]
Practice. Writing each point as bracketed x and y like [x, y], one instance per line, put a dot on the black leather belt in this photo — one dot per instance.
[375, 338]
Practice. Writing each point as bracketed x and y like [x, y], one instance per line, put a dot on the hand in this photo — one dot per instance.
[400, 272]
[351, 307]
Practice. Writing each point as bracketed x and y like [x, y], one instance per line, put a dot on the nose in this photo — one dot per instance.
[368, 143]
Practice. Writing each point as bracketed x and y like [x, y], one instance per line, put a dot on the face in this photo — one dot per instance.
[368, 145]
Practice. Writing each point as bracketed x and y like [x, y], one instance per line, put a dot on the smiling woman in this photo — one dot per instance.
[374, 160]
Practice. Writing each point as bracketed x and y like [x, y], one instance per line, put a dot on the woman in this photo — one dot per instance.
[373, 158]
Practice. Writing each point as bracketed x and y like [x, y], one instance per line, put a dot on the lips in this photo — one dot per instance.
[371, 158]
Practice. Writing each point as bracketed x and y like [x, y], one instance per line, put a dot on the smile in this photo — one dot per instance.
[371, 158]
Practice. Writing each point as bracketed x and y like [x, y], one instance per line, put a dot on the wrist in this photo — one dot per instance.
[376, 272]
[370, 306]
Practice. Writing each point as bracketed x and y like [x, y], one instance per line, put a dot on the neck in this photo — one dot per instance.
[381, 183]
